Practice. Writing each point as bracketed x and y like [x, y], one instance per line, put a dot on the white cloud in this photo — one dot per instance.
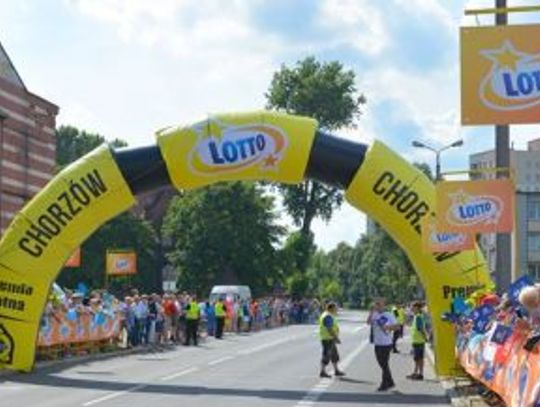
[429, 99]
[356, 23]
[347, 225]
[74, 113]
[440, 11]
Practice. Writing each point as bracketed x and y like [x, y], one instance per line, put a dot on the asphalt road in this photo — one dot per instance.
[271, 368]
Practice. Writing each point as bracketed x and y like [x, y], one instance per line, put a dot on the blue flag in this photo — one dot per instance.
[481, 317]
[501, 334]
[518, 285]
[459, 306]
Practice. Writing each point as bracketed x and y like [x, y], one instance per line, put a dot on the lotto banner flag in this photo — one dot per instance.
[500, 74]
[75, 259]
[475, 206]
[121, 262]
[440, 242]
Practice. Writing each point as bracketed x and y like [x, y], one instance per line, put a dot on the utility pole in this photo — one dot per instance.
[3, 117]
[503, 245]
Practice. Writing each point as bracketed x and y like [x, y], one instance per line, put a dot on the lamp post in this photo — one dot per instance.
[437, 152]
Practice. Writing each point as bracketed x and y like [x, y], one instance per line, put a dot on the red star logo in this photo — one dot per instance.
[270, 161]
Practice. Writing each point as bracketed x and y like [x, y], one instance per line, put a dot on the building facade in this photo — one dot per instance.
[27, 141]
[526, 237]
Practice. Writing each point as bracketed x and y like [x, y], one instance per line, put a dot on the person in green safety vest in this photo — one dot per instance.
[419, 338]
[399, 314]
[193, 315]
[220, 313]
[329, 335]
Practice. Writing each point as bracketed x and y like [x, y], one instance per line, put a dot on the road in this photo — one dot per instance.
[274, 368]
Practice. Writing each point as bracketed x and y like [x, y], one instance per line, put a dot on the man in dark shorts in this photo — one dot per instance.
[419, 339]
[329, 335]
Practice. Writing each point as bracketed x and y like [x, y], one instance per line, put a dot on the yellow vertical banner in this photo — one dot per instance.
[399, 197]
[121, 262]
[75, 259]
[440, 242]
[500, 74]
[483, 206]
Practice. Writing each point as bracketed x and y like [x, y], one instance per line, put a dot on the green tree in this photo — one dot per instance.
[224, 234]
[72, 143]
[326, 92]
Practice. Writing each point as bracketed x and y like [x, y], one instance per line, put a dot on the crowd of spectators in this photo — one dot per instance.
[154, 319]
[71, 304]
[516, 310]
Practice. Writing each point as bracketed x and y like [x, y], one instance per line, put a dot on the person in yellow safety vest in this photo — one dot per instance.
[193, 315]
[329, 335]
[399, 314]
[220, 312]
[419, 339]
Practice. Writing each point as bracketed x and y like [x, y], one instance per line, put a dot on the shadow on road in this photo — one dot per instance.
[333, 397]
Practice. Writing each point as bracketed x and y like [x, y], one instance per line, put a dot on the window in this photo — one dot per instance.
[528, 177]
[534, 270]
[534, 242]
[533, 209]
[537, 177]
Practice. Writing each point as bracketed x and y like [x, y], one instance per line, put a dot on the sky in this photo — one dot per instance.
[126, 68]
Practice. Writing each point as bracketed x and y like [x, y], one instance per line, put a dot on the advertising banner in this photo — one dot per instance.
[507, 369]
[73, 327]
[475, 206]
[440, 242]
[75, 259]
[121, 262]
[500, 74]
[243, 146]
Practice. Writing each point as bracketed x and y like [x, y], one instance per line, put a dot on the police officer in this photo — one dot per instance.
[329, 335]
[219, 312]
[193, 315]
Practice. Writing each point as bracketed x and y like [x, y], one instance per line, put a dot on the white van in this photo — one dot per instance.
[231, 292]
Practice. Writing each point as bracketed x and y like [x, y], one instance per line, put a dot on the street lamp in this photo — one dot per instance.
[437, 152]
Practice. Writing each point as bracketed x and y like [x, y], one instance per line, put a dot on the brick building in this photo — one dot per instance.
[27, 141]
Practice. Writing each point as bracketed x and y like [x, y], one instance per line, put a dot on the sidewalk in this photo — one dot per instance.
[454, 388]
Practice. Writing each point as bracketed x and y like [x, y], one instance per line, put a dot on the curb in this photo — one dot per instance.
[75, 360]
[450, 387]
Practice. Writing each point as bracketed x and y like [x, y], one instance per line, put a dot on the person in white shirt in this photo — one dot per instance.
[383, 323]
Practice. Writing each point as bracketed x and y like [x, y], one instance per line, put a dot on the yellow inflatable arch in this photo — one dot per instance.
[247, 146]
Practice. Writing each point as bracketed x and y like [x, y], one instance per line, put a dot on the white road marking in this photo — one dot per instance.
[266, 346]
[181, 373]
[322, 386]
[220, 360]
[115, 394]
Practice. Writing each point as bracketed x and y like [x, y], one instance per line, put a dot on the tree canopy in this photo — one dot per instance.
[72, 143]
[327, 92]
[224, 234]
